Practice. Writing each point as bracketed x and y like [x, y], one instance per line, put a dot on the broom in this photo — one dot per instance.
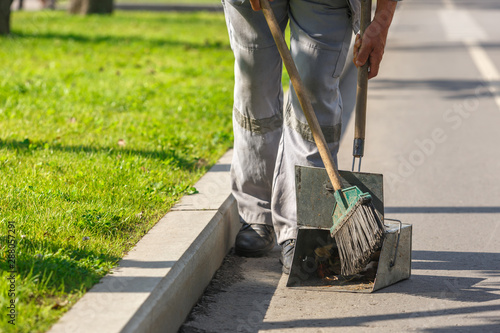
[357, 228]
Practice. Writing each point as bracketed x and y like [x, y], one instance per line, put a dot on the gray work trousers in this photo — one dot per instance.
[269, 138]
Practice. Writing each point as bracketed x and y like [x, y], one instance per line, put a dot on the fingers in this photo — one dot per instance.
[375, 60]
[373, 70]
[357, 45]
[369, 50]
[364, 51]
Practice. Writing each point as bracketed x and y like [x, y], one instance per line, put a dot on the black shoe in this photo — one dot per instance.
[287, 248]
[254, 240]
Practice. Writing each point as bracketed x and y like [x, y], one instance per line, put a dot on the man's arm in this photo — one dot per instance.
[371, 47]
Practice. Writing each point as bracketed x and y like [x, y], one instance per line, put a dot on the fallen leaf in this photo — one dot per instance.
[201, 163]
[331, 278]
[324, 252]
[59, 305]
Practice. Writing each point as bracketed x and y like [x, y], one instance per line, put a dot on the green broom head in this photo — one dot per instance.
[357, 229]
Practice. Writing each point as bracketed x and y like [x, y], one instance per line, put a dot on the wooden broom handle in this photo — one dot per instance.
[362, 89]
[304, 100]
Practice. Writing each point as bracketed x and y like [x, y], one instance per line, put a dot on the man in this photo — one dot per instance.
[269, 138]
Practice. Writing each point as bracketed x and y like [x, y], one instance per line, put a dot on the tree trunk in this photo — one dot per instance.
[90, 7]
[5, 16]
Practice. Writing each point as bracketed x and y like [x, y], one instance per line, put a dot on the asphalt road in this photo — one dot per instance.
[433, 131]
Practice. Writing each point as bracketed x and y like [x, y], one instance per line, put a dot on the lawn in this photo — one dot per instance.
[105, 121]
[187, 2]
[208, 2]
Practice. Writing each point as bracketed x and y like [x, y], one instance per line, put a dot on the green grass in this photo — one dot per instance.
[156, 2]
[105, 121]
[214, 2]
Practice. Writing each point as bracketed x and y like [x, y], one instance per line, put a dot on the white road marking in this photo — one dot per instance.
[460, 26]
[486, 67]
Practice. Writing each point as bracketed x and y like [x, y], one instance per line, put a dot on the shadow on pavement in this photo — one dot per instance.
[495, 327]
[454, 286]
[240, 294]
[364, 321]
[455, 89]
[459, 4]
[443, 210]
[451, 46]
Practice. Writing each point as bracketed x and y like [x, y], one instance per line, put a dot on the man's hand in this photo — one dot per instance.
[371, 47]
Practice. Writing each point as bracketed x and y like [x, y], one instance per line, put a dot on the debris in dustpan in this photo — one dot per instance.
[314, 246]
[327, 260]
[328, 270]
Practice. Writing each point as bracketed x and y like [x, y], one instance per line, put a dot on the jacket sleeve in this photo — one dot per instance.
[355, 6]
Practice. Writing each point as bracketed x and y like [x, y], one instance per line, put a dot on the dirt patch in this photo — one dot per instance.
[229, 273]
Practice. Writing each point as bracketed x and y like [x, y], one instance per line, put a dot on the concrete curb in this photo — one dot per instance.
[158, 282]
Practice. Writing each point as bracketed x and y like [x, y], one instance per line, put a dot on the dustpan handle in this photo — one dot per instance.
[362, 88]
[304, 100]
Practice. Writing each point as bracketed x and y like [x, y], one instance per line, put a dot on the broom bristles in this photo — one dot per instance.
[359, 237]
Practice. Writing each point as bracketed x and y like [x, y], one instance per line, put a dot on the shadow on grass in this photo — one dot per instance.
[173, 156]
[118, 40]
[62, 267]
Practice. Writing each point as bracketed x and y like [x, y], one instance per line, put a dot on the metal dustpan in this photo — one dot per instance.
[315, 203]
